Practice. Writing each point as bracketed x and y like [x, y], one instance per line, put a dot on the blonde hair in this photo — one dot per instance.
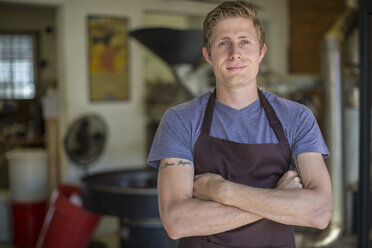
[231, 9]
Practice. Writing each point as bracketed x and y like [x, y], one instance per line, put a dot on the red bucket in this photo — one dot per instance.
[66, 224]
[28, 219]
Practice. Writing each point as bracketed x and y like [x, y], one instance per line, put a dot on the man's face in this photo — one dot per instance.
[235, 52]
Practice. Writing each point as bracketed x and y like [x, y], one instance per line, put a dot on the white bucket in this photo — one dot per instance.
[5, 223]
[27, 174]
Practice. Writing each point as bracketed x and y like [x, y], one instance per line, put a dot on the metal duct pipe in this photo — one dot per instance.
[333, 116]
[180, 49]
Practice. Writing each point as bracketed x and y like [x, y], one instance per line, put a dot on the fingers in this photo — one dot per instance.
[297, 182]
[288, 175]
[291, 173]
[289, 180]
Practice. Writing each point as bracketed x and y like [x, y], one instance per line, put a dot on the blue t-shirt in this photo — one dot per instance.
[180, 127]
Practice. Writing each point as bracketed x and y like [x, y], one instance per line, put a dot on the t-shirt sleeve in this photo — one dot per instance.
[308, 137]
[172, 139]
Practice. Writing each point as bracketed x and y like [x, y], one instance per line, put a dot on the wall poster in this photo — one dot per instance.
[108, 58]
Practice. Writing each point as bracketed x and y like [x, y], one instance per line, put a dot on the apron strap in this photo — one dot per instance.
[273, 119]
[208, 115]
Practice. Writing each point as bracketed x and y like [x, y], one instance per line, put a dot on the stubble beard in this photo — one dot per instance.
[238, 81]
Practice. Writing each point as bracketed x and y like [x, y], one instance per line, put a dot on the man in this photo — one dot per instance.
[225, 158]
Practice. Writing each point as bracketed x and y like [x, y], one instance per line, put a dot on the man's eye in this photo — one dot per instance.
[245, 42]
[224, 43]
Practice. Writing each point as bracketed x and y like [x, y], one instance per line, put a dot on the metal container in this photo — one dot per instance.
[132, 196]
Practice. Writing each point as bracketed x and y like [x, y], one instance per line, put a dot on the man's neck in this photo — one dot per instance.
[237, 98]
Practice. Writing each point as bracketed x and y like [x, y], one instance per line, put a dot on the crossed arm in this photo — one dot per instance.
[209, 204]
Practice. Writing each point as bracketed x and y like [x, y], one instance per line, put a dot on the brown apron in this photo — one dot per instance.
[256, 165]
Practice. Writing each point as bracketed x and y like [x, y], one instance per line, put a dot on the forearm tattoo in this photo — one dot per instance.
[179, 162]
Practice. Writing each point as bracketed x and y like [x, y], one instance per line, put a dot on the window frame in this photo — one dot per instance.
[36, 45]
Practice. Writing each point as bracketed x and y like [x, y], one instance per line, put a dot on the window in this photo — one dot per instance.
[17, 66]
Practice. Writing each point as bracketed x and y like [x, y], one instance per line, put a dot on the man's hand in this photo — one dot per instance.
[206, 185]
[289, 180]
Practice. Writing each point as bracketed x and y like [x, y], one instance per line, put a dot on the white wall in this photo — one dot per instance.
[125, 119]
[275, 16]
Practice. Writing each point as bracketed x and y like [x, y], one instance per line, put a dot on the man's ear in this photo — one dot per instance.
[263, 51]
[207, 57]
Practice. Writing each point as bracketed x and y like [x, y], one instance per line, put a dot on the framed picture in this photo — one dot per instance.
[108, 58]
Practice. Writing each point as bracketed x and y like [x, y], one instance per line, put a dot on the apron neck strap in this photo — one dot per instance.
[273, 119]
[208, 116]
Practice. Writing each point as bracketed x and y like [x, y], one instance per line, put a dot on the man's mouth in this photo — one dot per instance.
[236, 68]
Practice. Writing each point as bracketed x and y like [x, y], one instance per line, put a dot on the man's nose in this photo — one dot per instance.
[235, 51]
